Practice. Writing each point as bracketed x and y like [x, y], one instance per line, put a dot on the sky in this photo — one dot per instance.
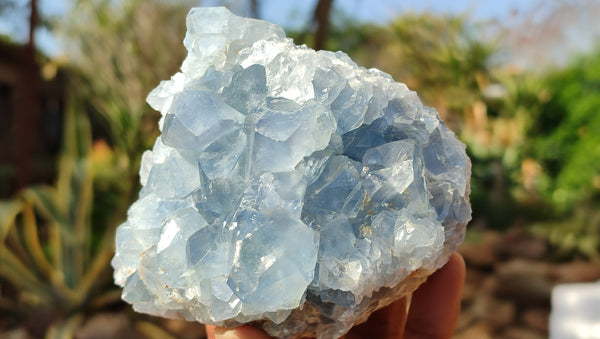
[575, 33]
[294, 14]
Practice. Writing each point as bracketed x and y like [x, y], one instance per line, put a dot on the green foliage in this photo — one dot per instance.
[563, 141]
[565, 138]
[121, 50]
[576, 235]
[56, 242]
[45, 238]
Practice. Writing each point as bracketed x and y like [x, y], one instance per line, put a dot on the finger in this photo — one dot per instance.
[387, 322]
[435, 305]
[242, 332]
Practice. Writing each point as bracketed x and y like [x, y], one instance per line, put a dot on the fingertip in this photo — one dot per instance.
[241, 332]
[210, 331]
[387, 322]
[435, 306]
[456, 265]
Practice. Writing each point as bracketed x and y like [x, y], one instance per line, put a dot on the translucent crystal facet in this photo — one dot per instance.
[290, 189]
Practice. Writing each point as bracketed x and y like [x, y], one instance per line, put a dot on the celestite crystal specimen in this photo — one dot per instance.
[290, 188]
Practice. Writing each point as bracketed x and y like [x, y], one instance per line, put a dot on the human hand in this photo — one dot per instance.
[433, 313]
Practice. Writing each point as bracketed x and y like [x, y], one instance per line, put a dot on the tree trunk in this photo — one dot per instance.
[321, 18]
[27, 106]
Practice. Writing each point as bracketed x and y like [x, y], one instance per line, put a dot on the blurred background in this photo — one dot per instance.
[518, 81]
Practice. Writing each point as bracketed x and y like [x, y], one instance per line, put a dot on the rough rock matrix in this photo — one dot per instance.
[290, 188]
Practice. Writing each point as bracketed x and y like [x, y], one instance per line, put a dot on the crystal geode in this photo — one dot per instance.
[290, 189]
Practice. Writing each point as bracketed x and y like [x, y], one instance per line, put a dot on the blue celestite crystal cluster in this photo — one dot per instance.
[290, 188]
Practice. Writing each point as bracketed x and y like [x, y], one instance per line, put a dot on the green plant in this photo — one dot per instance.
[575, 235]
[47, 255]
[120, 51]
[565, 138]
[56, 242]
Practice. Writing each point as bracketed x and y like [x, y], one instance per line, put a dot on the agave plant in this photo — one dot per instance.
[47, 253]
[56, 241]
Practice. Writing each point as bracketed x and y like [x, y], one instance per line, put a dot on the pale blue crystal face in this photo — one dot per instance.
[289, 186]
